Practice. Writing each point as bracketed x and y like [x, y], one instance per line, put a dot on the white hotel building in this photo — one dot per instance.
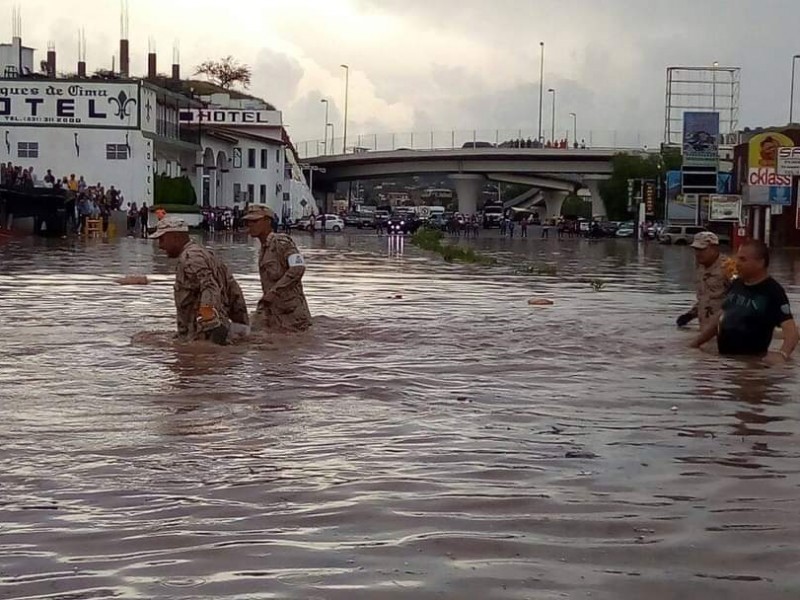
[123, 131]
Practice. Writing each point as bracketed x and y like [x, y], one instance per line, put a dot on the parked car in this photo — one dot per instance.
[680, 234]
[437, 222]
[303, 223]
[352, 219]
[626, 230]
[332, 223]
[366, 220]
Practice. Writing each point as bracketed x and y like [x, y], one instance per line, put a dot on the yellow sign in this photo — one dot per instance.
[763, 150]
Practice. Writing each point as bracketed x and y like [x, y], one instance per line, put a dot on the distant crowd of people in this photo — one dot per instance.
[83, 201]
[558, 144]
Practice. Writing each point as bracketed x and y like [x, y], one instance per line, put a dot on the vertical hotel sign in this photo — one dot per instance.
[700, 139]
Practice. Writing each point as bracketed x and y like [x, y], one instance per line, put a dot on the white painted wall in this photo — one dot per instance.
[58, 152]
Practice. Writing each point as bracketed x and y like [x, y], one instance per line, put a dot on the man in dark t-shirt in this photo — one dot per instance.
[755, 305]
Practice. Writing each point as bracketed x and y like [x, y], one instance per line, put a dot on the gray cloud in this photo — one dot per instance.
[441, 64]
[276, 76]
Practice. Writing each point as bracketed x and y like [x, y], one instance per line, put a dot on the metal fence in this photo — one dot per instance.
[449, 140]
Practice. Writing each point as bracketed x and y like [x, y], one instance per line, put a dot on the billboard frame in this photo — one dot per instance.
[701, 89]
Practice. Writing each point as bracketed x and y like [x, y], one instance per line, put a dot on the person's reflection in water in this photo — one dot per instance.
[758, 389]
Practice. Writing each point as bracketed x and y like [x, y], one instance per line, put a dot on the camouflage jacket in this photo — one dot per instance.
[281, 267]
[201, 279]
[712, 284]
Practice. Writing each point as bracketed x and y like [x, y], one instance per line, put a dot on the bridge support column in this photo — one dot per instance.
[468, 189]
[554, 201]
[598, 205]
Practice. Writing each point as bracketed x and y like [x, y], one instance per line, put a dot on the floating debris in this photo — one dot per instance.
[133, 280]
[540, 302]
[580, 454]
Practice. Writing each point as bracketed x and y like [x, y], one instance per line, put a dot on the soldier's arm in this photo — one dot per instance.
[180, 316]
[290, 257]
[708, 333]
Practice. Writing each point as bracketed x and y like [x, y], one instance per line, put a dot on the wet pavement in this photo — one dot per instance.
[434, 436]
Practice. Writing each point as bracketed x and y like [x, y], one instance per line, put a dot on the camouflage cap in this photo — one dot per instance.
[704, 239]
[168, 225]
[259, 212]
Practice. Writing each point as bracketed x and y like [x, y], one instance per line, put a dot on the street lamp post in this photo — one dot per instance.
[333, 136]
[346, 95]
[325, 143]
[714, 88]
[791, 94]
[541, 87]
[553, 122]
[574, 127]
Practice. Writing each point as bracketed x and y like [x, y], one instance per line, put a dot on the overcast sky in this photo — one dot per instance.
[443, 64]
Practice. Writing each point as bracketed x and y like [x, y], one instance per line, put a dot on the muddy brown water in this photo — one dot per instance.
[452, 443]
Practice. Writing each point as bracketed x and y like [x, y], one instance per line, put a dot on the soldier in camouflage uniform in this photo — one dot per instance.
[207, 298]
[711, 280]
[283, 306]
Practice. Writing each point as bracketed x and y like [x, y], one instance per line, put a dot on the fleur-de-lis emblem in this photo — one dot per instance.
[122, 101]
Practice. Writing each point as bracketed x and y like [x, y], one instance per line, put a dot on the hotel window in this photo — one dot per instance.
[251, 158]
[278, 156]
[237, 192]
[116, 152]
[264, 158]
[28, 149]
[251, 192]
[263, 194]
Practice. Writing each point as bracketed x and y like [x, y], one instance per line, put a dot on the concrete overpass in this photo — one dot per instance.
[556, 172]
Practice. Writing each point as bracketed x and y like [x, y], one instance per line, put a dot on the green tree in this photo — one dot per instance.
[629, 166]
[575, 206]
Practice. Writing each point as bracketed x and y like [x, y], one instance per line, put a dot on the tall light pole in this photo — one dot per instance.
[553, 122]
[346, 94]
[325, 143]
[791, 94]
[574, 127]
[541, 88]
[714, 88]
[333, 136]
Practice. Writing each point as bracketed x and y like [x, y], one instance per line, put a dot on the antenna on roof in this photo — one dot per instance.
[124, 20]
[16, 21]
[82, 44]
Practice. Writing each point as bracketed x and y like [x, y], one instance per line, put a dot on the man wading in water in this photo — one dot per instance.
[209, 302]
[755, 305]
[283, 306]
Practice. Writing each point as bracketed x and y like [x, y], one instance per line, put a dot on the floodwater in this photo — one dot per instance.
[433, 437]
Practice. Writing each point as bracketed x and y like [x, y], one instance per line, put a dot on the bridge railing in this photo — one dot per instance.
[452, 139]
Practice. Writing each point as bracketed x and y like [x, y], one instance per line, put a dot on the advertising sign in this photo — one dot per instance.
[780, 195]
[762, 160]
[724, 208]
[700, 135]
[650, 197]
[68, 104]
[230, 117]
[789, 161]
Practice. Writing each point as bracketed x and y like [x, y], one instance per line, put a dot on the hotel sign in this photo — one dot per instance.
[231, 117]
[69, 104]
